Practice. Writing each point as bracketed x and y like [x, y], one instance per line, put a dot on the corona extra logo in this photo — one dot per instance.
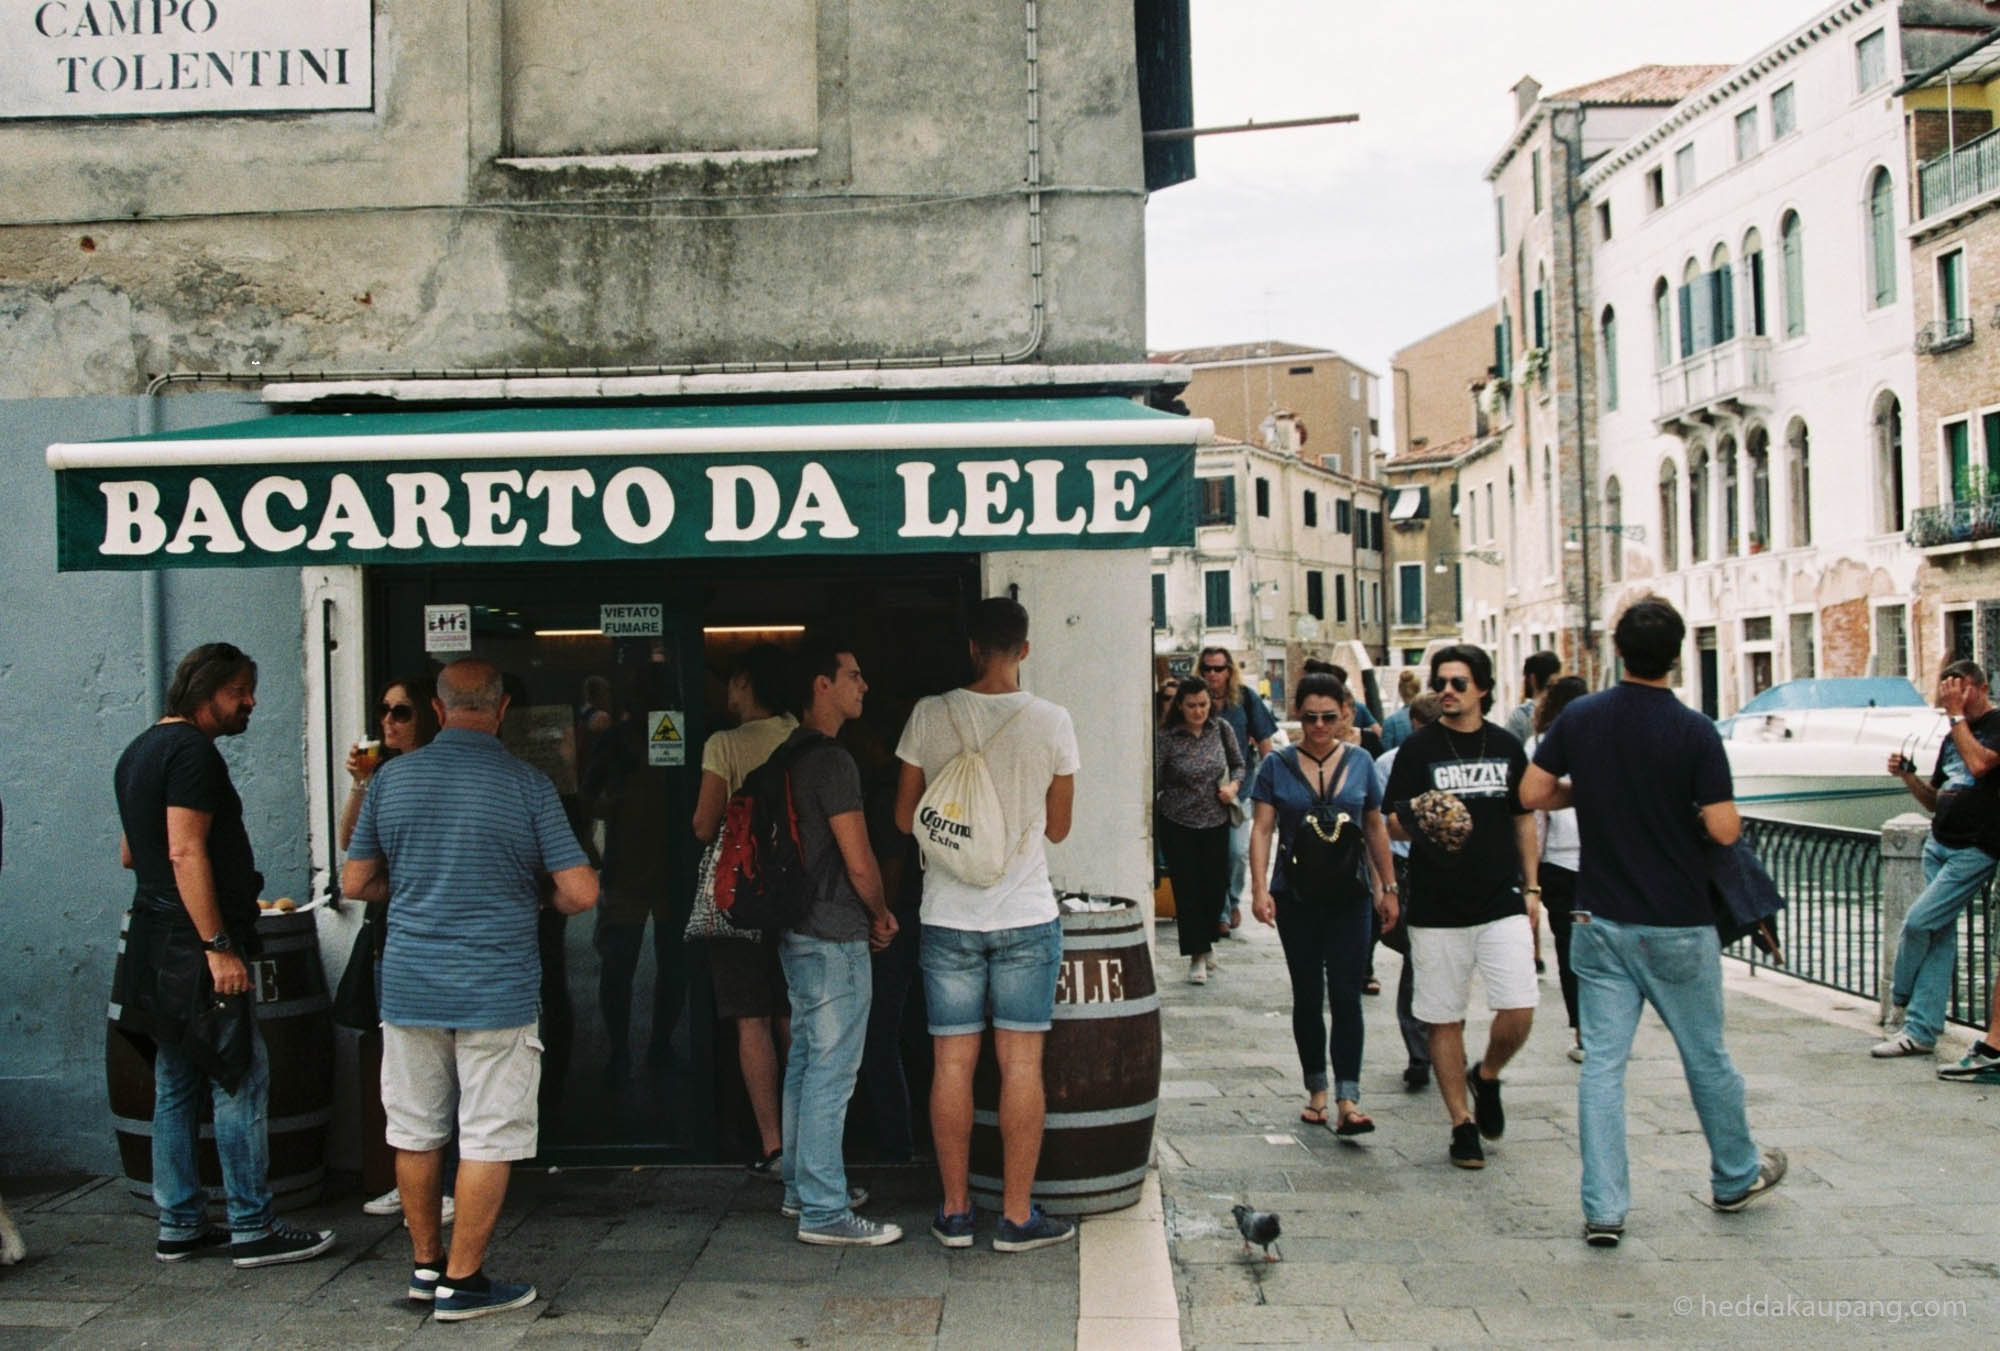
[942, 823]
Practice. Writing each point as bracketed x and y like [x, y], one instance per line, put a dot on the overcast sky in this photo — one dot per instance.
[1367, 236]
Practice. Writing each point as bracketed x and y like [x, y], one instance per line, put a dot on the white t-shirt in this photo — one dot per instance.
[731, 755]
[1561, 845]
[1038, 746]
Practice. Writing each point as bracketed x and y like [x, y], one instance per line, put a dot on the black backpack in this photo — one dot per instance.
[1324, 860]
[761, 881]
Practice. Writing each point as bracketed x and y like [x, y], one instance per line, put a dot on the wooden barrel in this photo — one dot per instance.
[294, 1014]
[1100, 1071]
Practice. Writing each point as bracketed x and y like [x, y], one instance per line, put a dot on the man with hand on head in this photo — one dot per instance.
[457, 840]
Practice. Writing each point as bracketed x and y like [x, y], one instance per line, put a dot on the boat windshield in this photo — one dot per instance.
[1837, 692]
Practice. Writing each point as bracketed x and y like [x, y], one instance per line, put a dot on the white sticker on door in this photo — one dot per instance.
[631, 621]
[447, 628]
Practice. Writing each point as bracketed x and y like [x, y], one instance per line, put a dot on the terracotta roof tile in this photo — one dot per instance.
[1644, 85]
[1435, 454]
[1236, 351]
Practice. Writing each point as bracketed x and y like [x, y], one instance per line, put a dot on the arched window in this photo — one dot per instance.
[1698, 505]
[1614, 520]
[1726, 489]
[1695, 334]
[1888, 441]
[1670, 518]
[1791, 236]
[1882, 238]
[1725, 293]
[1798, 452]
[1663, 325]
[1753, 276]
[1757, 445]
[1607, 328]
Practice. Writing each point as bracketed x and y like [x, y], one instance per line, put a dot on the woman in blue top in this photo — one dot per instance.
[1321, 801]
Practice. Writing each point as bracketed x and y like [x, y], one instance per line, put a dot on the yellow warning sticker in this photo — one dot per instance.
[666, 737]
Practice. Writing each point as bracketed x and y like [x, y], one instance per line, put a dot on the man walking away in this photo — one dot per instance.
[1648, 779]
[185, 985]
[1538, 672]
[994, 949]
[456, 840]
[825, 955]
[1249, 717]
[1455, 795]
[1959, 858]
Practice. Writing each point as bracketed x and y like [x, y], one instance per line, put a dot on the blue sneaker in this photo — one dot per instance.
[1973, 1069]
[857, 1197]
[1041, 1231]
[455, 1306]
[424, 1283]
[955, 1231]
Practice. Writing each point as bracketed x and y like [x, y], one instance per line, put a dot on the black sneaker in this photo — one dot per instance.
[770, 1167]
[1769, 1174]
[1417, 1076]
[180, 1249]
[1486, 1108]
[282, 1244]
[1602, 1235]
[1465, 1150]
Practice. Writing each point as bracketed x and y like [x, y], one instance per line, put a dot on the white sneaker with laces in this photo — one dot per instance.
[1899, 1045]
[388, 1203]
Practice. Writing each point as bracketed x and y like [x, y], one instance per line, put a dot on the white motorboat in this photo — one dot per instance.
[1816, 751]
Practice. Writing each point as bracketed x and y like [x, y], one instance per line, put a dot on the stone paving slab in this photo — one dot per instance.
[1892, 1195]
[624, 1259]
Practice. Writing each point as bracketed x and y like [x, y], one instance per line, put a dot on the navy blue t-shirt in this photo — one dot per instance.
[1641, 762]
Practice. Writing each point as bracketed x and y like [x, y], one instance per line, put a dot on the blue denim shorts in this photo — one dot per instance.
[1007, 973]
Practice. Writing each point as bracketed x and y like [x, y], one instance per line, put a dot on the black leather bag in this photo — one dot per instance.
[1323, 861]
[354, 1002]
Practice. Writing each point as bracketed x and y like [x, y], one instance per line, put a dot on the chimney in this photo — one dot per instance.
[1526, 91]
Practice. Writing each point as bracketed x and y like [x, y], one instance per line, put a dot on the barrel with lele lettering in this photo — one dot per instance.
[1100, 1072]
[294, 1013]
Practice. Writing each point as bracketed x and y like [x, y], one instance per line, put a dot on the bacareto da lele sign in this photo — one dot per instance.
[164, 58]
[683, 505]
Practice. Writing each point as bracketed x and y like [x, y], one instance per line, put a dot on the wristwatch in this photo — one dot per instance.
[1957, 718]
[219, 943]
[1389, 888]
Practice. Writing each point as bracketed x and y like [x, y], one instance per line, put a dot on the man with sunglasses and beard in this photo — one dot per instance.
[1455, 795]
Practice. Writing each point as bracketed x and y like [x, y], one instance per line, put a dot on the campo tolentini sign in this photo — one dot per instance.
[153, 58]
[643, 506]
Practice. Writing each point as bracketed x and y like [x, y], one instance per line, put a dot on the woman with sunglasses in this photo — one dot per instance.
[1320, 803]
[1197, 773]
[404, 722]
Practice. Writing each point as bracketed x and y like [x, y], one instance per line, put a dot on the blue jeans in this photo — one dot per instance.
[1928, 948]
[1620, 968]
[241, 1141]
[1239, 867]
[832, 986]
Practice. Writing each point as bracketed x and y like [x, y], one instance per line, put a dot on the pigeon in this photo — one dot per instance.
[1256, 1226]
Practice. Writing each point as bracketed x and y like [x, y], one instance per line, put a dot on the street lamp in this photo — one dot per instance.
[1488, 556]
[1572, 544]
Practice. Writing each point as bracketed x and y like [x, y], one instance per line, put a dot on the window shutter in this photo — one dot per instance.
[1685, 294]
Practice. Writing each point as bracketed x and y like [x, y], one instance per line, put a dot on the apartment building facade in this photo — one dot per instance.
[1332, 404]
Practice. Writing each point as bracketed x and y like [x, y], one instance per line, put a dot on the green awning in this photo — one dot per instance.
[597, 481]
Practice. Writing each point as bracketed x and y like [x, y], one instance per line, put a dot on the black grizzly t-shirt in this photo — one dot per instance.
[171, 764]
[1640, 762]
[1481, 882]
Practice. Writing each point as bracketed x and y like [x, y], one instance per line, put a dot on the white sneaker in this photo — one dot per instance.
[449, 1211]
[1900, 1044]
[388, 1203]
[1197, 971]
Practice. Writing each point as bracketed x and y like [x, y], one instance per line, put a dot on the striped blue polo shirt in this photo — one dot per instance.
[467, 831]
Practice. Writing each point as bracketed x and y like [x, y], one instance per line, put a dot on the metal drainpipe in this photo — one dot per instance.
[1573, 165]
[1037, 302]
[152, 599]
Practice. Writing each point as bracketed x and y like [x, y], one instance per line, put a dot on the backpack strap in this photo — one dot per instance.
[965, 742]
[1290, 756]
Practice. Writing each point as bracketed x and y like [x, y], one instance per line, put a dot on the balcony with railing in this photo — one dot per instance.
[1971, 520]
[1959, 175]
[1727, 378]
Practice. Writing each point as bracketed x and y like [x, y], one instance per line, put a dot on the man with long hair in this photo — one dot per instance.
[1250, 719]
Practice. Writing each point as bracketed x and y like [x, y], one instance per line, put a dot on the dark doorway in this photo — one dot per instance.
[1710, 672]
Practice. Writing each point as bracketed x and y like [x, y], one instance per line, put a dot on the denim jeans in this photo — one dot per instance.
[1620, 968]
[1928, 948]
[1239, 866]
[241, 1140]
[832, 987]
[1326, 952]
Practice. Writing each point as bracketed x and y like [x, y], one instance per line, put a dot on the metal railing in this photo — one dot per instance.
[1971, 170]
[1726, 371]
[1966, 522]
[1831, 927]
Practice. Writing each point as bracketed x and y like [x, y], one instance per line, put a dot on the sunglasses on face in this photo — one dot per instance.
[1458, 683]
[1307, 719]
[1216, 670]
[395, 712]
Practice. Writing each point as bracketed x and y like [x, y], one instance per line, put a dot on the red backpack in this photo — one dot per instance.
[760, 870]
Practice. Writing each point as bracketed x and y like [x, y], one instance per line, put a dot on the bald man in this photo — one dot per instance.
[456, 840]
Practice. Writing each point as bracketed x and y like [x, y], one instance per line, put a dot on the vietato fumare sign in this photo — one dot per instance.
[164, 58]
[610, 507]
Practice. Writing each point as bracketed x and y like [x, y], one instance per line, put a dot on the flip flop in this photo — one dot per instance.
[1355, 1123]
[1371, 986]
[1313, 1116]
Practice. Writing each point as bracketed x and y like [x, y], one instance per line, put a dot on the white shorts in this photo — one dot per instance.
[482, 1079]
[1502, 949]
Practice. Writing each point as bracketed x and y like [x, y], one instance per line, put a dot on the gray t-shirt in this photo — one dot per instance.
[826, 783]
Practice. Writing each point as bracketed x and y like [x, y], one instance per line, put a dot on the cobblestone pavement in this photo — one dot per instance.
[1893, 1195]
[677, 1257]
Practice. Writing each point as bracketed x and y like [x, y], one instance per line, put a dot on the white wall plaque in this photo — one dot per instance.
[447, 628]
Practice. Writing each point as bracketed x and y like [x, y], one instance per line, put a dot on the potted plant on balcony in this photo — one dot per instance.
[1535, 367]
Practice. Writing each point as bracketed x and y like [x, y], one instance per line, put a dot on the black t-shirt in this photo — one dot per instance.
[171, 764]
[1968, 815]
[1640, 762]
[1481, 882]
